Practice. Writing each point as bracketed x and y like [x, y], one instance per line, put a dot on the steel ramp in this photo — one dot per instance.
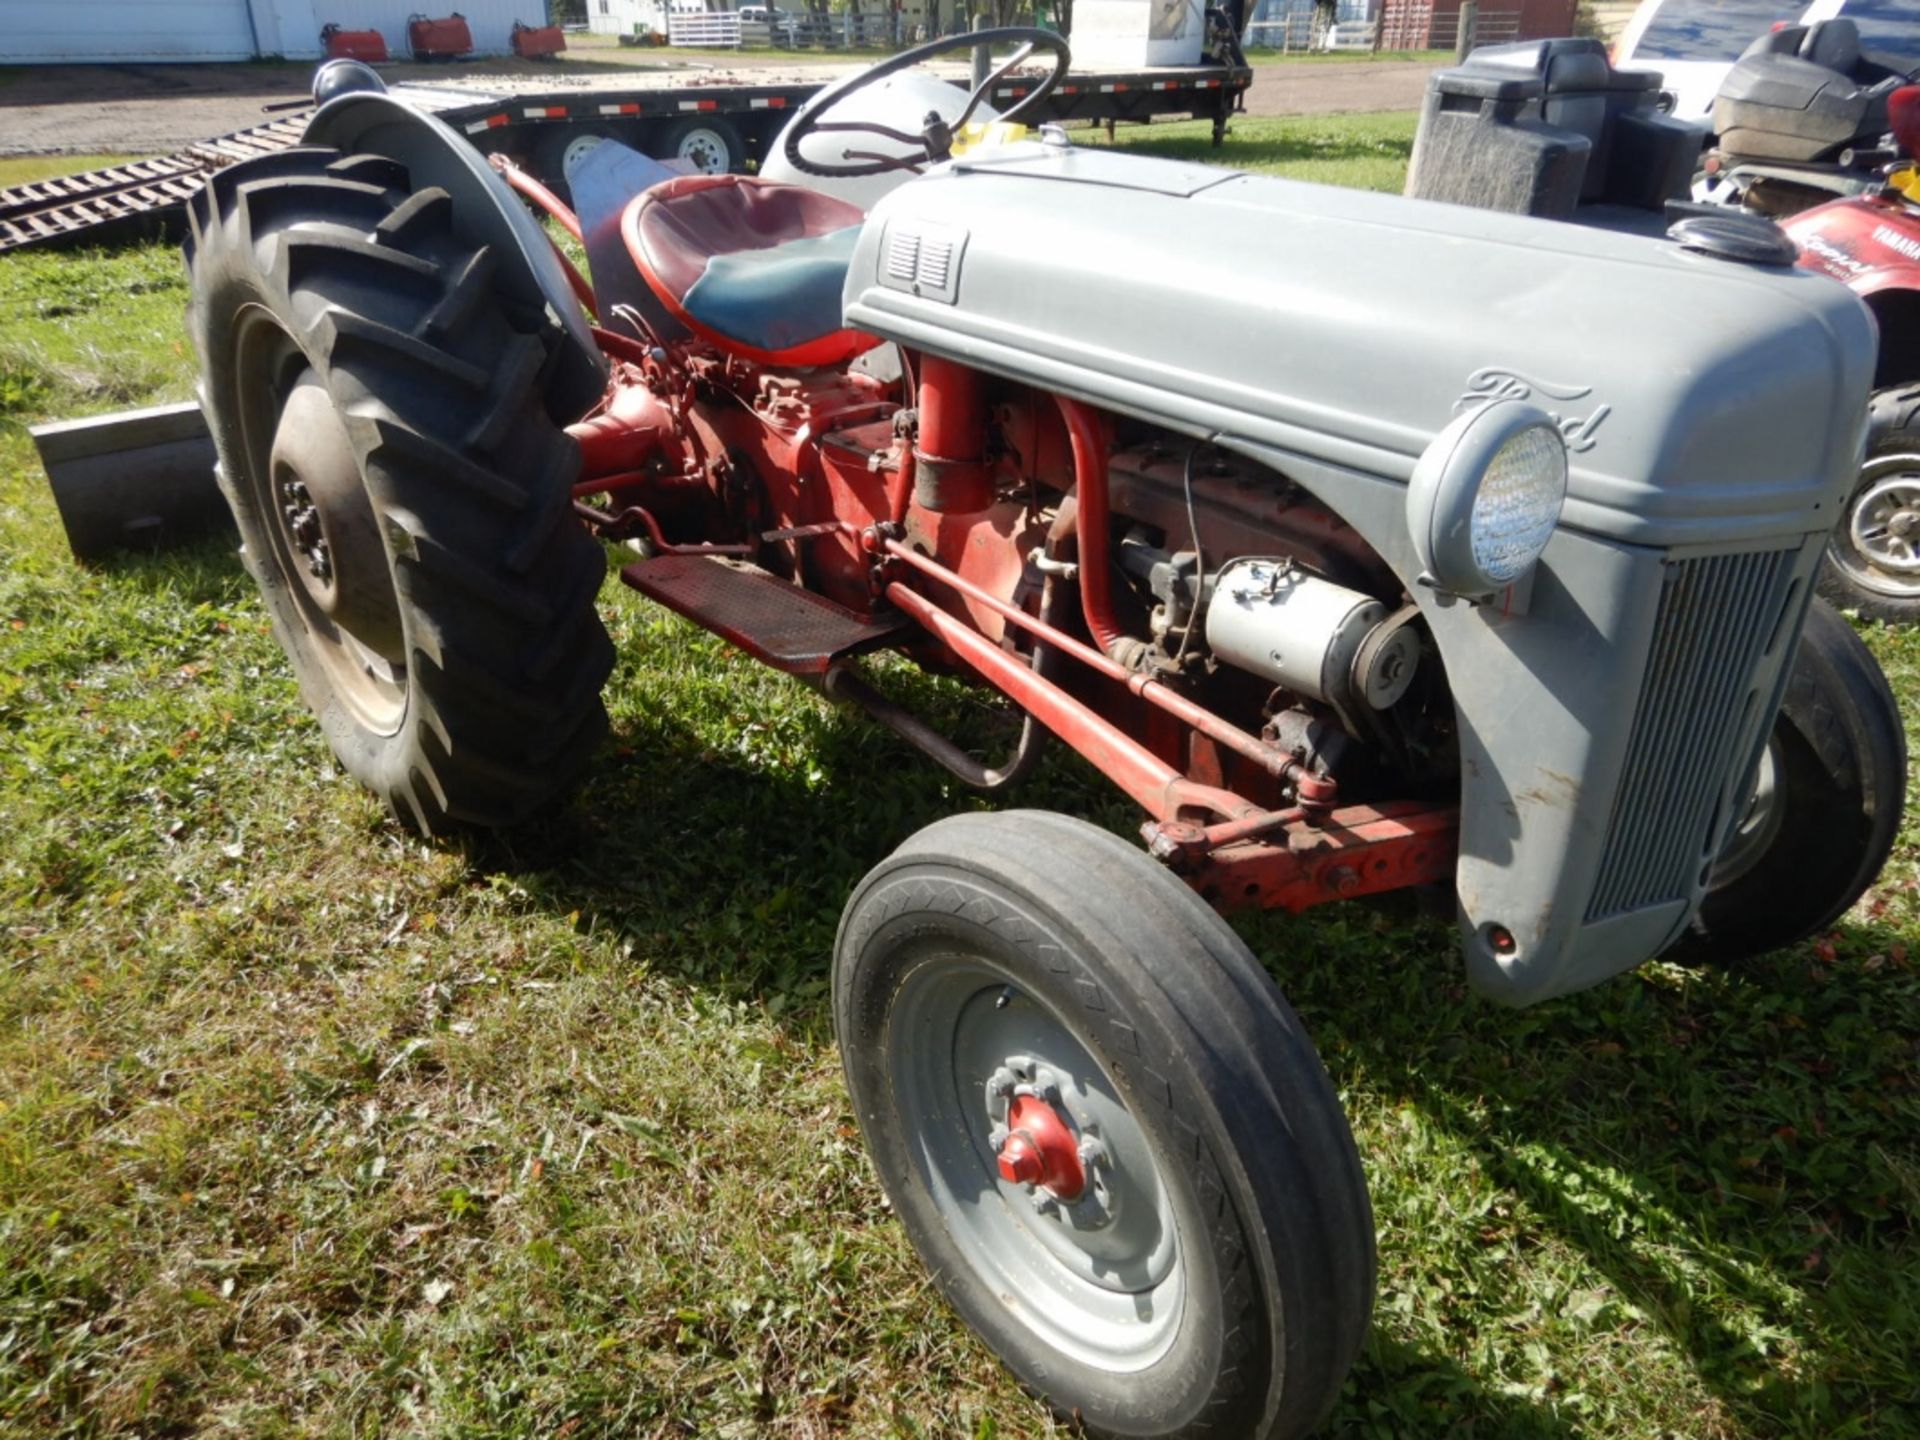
[771, 619]
[142, 199]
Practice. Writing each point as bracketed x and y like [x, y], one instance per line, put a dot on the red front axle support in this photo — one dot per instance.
[1250, 858]
[1160, 790]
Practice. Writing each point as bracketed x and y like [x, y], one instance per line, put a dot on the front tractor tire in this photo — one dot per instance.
[401, 488]
[1826, 805]
[1104, 1130]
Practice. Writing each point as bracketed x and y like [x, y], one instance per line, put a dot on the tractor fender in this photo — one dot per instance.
[486, 210]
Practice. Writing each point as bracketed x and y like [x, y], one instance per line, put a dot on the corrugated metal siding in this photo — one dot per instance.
[491, 21]
[83, 31]
[118, 31]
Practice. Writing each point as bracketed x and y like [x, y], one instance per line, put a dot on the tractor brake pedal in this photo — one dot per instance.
[772, 620]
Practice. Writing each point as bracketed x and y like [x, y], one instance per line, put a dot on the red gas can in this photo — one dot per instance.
[367, 45]
[532, 42]
[438, 39]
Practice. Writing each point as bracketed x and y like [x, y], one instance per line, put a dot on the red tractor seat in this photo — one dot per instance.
[752, 266]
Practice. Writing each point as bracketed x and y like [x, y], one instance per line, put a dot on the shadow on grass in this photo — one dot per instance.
[1719, 1147]
[1403, 1390]
[673, 837]
[1640, 1125]
[1722, 1151]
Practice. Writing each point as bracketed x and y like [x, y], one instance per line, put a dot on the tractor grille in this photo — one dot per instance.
[1718, 616]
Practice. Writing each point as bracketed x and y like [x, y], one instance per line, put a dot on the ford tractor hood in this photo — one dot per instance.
[1698, 395]
[1609, 718]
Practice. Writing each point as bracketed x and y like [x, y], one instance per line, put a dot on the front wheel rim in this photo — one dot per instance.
[331, 564]
[1100, 1276]
[575, 151]
[1878, 548]
[1759, 823]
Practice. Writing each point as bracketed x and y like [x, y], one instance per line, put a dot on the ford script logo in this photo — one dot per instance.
[1494, 382]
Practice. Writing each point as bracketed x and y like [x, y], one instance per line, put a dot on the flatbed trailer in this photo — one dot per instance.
[718, 120]
[534, 125]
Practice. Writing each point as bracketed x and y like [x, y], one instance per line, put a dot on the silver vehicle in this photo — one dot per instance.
[1694, 43]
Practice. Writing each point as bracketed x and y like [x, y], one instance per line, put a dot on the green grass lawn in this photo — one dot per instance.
[20, 169]
[1367, 151]
[309, 1128]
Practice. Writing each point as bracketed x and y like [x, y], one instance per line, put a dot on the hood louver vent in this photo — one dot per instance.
[923, 259]
[936, 263]
[903, 255]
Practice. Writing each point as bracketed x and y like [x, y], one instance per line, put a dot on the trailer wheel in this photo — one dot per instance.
[401, 490]
[708, 143]
[555, 147]
[1826, 805]
[1104, 1130]
[1873, 560]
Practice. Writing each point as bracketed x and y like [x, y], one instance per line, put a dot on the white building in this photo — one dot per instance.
[626, 17]
[115, 31]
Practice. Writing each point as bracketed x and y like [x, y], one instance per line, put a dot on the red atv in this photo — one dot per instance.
[1804, 117]
[1548, 128]
[1872, 245]
[1409, 546]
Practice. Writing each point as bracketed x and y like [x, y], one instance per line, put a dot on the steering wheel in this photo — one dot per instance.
[936, 135]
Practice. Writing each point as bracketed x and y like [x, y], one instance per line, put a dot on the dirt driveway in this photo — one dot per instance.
[1338, 87]
[148, 109]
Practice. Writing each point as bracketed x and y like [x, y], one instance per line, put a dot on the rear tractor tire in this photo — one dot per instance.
[401, 489]
[1104, 1130]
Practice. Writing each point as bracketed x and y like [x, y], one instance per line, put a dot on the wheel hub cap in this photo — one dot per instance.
[1053, 1152]
[303, 528]
[1040, 1150]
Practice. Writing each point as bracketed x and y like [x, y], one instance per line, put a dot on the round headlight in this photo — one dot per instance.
[1486, 496]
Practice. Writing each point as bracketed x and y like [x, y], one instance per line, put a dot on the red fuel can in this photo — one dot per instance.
[532, 42]
[438, 39]
[367, 45]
